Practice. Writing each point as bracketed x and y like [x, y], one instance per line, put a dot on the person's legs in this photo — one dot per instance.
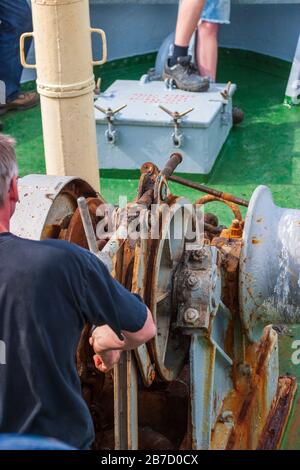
[15, 17]
[188, 17]
[207, 49]
[187, 20]
[216, 12]
[179, 68]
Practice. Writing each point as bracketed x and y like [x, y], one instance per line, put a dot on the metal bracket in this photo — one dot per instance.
[226, 92]
[170, 84]
[111, 132]
[199, 290]
[151, 76]
[225, 96]
[177, 137]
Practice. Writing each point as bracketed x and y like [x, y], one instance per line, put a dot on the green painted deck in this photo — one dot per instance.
[265, 149]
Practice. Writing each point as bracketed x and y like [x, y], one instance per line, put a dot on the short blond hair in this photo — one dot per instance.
[8, 165]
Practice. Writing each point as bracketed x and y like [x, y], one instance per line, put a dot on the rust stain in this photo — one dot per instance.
[209, 198]
[75, 232]
[255, 241]
[50, 196]
[251, 394]
[273, 431]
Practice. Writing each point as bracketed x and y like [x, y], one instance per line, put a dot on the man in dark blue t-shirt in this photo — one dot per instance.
[48, 291]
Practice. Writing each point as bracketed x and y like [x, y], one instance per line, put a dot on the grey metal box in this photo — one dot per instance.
[144, 132]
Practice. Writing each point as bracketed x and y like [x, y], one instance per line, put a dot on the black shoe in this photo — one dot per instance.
[237, 115]
[185, 75]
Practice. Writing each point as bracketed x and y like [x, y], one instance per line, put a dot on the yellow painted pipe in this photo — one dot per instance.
[65, 81]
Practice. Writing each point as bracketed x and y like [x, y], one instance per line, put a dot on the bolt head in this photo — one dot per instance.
[191, 315]
[192, 280]
[197, 255]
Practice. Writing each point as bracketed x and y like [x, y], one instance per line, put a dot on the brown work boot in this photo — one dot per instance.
[185, 75]
[22, 102]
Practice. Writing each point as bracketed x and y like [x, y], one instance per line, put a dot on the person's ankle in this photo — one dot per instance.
[178, 51]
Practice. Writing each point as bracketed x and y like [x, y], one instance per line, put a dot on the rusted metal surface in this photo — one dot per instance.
[206, 189]
[235, 231]
[149, 173]
[173, 162]
[139, 282]
[230, 251]
[75, 231]
[155, 270]
[45, 202]
[209, 198]
[147, 198]
[272, 434]
[169, 348]
[126, 403]
[201, 363]
[255, 388]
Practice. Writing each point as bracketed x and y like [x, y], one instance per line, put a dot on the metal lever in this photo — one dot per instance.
[225, 95]
[171, 165]
[87, 225]
[175, 114]
[177, 138]
[111, 133]
[104, 256]
[225, 92]
[110, 113]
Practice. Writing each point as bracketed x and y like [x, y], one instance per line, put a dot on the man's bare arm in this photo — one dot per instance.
[107, 346]
[105, 339]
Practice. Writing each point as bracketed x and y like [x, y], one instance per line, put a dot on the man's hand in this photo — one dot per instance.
[105, 339]
[106, 360]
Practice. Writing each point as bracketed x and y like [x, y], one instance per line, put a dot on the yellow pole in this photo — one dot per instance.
[65, 82]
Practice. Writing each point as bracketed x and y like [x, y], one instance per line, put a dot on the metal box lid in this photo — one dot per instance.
[143, 100]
